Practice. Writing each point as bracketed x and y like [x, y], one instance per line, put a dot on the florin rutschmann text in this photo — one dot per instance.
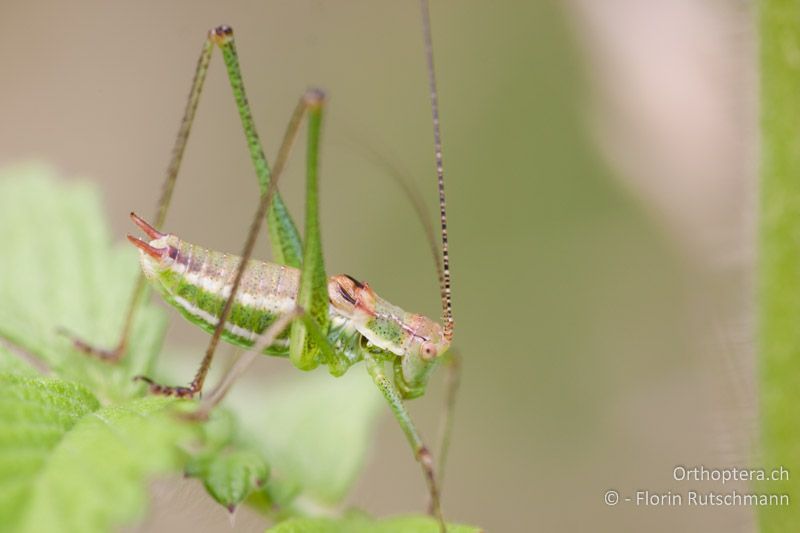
[694, 497]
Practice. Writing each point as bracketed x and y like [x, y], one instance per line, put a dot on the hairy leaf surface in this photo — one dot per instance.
[62, 272]
[68, 464]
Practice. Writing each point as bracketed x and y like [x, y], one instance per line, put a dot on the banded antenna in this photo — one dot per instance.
[444, 272]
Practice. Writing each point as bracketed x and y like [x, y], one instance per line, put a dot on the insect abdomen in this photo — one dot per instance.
[199, 281]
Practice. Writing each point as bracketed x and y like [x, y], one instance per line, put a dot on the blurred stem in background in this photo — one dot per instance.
[779, 249]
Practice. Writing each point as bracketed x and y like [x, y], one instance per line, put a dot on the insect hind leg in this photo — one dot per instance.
[140, 290]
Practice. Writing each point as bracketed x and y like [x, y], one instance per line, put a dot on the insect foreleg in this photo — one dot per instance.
[376, 369]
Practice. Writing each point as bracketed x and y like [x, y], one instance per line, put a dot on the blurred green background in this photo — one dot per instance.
[588, 323]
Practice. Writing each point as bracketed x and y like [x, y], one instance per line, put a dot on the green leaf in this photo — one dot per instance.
[220, 431]
[313, 429]
[61, 271]
[66, 464]
[229, 469]
[358, 523]
[230, 477]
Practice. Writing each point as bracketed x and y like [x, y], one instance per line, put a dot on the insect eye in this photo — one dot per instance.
[428, 350]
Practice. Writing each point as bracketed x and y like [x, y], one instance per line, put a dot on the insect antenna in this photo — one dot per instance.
[444, 277]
